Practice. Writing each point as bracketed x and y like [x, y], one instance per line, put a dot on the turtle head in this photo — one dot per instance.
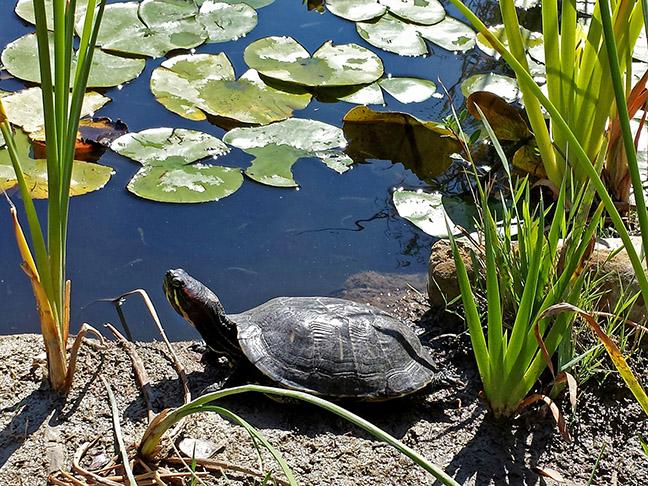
[190, 298]
[201, 308]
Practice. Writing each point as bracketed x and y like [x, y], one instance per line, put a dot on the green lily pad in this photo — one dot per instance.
[391, 34]
[409, 90]
[283, 58]
[425, 12]
[20, 58]
[25, 10]
[163, 26]
[430, 212]
[395, 35]
[224, 22]
[278, 146]
[193, 85]
[86, 176]
[366, 95]
[175, 84]
[169, 173]
[533, 42]
[25, 108]
[196, 183]
[255, 4]
[498, 84]
[356, 10]
[423, 147]
[168, 146]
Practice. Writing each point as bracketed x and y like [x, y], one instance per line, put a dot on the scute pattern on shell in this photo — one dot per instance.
[334, 348]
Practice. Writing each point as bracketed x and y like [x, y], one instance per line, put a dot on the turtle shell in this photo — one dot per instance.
[334, 348]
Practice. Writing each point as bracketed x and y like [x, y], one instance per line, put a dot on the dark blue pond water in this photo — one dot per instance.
[259, 243]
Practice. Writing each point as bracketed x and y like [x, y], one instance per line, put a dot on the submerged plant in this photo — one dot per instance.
[64, 76]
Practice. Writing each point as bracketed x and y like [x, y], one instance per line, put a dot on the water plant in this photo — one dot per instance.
[64, 75]
[577, 67]
[523, 279]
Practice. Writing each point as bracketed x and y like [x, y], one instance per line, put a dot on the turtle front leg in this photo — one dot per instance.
[242, 372]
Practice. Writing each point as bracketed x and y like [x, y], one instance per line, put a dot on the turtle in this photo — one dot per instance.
[330, 347]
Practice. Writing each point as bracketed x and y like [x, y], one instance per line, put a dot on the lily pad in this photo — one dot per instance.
[278, 146]
[168, 146]
[430, 211]
[151, 28]
[498, 84]
[168, 172]
[409, 90]
[283, 58]
[256, 4]
[20, 58]
[356, 10]
[25, 108]
[424, 12]
[394, 35]
[533, 42]
[405, 90]
[507, 121]
[195, 84]
[25, 10]
[423, 147]
[224, 22]
[86, 176]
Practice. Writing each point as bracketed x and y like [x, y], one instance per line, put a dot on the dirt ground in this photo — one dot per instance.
[40, 432]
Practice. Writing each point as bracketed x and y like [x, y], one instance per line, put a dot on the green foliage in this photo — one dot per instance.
[522, 280]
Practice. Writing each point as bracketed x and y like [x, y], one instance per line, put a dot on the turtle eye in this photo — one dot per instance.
[176, 282]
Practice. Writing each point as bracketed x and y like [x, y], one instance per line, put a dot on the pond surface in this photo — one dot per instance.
[259, 243]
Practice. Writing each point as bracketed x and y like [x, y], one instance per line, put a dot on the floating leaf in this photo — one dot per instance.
[151, 28]
[430, 211]
[20, 58]
[409, 90]
[86, 176]
[394, 35]
[533, 42]
[25, 108]
[506, 120]
[365, 95]
[425, 12]
[501, 85]
[391, 34]
[168, 175]
[195, 84]
[356, 10]
[256, 4]
[278, 146]
[224, 22]
[283, 58]
[423, 147]
[405, 90]
[186, 184]
[165, 146]
[25, 10]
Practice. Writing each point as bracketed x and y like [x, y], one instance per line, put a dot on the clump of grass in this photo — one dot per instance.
[526, 271]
